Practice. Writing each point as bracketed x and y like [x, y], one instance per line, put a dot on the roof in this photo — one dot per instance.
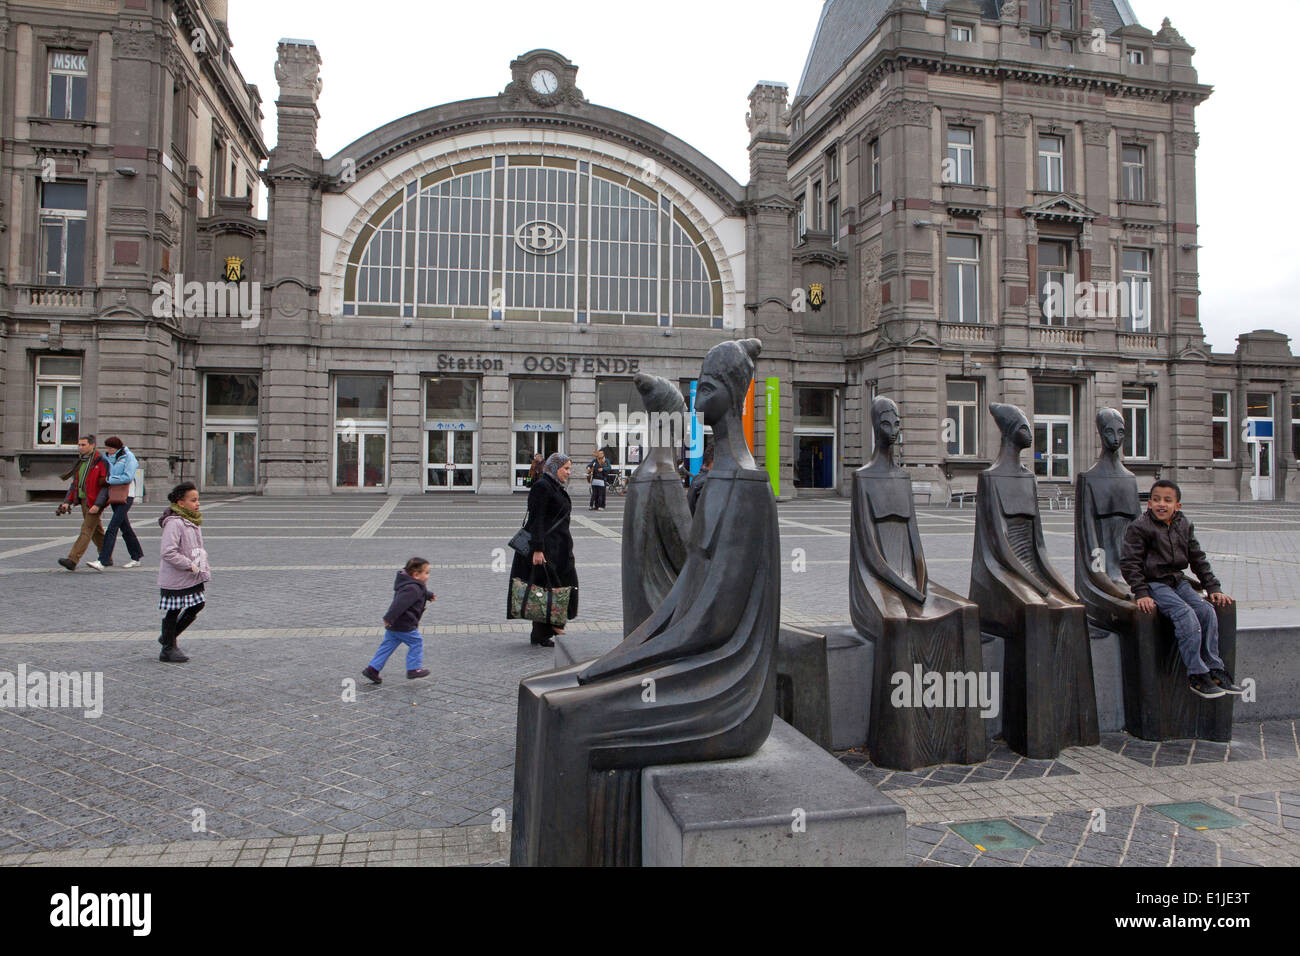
[847, 24]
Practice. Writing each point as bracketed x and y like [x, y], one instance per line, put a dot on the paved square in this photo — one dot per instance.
[269, 749]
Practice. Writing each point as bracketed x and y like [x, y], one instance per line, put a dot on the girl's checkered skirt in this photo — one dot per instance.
[180, 600]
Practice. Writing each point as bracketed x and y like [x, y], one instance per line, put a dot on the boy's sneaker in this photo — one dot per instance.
[68, 563]
[95, 564]
[422, 672]
[1224, 680]
[372, 675]
[1202, 686]
[172, 655]
[133, 563]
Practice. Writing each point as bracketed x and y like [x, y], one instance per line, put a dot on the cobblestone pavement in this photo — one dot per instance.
[269, 740]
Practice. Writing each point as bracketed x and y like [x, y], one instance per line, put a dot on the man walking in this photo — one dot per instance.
[89, 485]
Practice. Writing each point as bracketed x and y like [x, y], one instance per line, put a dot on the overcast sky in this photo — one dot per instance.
[688, 66]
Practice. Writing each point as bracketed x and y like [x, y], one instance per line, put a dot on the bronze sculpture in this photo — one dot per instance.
[1048, 698]
[695, 681]
[1157, 705]
[656, 519]
[912, 621]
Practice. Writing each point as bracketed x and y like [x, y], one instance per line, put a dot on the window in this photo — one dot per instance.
[63, 233]
[833, 220]
[1133, 166]
[1038, 13]
[817, 206]
[360, 431]
[1065, 13]
[960, 164]
[1137, 57]
[1051, 163]
[1137, 279]
[832, 165]
[1221, 425]
[230, 431]
[962, 427]
[875, 166]
[1036, 41]
[58, 401]
[963, 279]
[550, 233]
[451, 434]
[1053, 264]
[1295, 426]
[1137, 422]
[960, 33]
[616, 399]
[801, 217]
[216, 168]
[67, 85]
[180, 119]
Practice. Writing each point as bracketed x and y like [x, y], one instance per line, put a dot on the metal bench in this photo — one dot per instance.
[923, 488]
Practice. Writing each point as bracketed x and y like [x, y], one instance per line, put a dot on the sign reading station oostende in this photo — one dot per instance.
[571, 364]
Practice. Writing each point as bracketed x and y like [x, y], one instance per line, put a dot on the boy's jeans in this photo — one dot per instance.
[1194, 619]
[414, 649]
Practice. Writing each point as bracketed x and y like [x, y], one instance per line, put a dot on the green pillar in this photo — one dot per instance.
[772, 433]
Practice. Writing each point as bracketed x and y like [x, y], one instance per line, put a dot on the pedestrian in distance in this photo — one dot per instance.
[535, 471]
[89, 491]
[598, 475]
[1158, 546]
[122, 468]
[402, 622]
[183, 569]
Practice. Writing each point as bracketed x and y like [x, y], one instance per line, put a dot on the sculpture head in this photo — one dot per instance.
[885, 422]
[1110, 427]
[724, 379]
[1013, 424]
[659, 394]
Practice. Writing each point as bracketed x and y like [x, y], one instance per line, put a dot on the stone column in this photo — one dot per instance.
[768, 273]
[301, 417]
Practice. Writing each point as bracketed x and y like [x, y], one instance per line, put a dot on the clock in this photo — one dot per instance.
[544, 82]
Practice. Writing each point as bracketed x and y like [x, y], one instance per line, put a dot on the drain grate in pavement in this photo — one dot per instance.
[987, 835]
[1198, 816]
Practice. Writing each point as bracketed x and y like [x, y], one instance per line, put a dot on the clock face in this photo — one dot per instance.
[544, 82]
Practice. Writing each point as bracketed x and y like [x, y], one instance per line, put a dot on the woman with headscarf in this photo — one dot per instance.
[551, 544]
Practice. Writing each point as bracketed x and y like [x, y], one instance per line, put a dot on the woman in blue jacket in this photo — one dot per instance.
[122, 466]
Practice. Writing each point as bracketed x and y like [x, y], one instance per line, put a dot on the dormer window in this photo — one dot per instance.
[1137, 57]
[961, 33]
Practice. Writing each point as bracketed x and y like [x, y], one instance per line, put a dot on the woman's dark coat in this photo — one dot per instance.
[548, 526]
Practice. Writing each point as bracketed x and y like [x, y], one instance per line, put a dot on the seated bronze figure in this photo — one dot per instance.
[1048, 698]
[656, 519]
[695, 681]
[913, 622]
[1157, 705]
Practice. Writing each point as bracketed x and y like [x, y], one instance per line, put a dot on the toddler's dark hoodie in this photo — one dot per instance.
[409, 597]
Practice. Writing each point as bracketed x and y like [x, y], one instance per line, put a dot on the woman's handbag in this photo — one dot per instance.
[522, 540]
[532, 602]
[117, 494]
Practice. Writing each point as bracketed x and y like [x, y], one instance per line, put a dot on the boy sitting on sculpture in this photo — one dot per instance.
[1157, 547]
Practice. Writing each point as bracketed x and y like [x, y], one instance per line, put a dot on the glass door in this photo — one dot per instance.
[361, 459]
[1052, 450]
[1261, 481]
[229, 459]
[528, 444]
[450, 461]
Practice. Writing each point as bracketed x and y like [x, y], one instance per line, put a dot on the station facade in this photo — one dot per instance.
[478, 282]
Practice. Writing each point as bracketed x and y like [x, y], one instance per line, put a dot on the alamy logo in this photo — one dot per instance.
[1094, 300]
[39, 689]
[75, 909]
[656, 429]
[950, 689]
[209, 300]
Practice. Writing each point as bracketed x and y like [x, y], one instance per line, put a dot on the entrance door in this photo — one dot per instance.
[1261, 481]
[814, 467]
[1052, 450]
[229, 459]
[361, 459]
[528, 444]
[451, 461]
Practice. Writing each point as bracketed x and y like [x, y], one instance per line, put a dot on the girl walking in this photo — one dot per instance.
[182, 569]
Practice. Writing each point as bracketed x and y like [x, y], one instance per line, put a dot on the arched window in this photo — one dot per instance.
[531, 237]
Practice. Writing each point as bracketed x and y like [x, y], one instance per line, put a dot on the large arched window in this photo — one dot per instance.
[532, 237]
